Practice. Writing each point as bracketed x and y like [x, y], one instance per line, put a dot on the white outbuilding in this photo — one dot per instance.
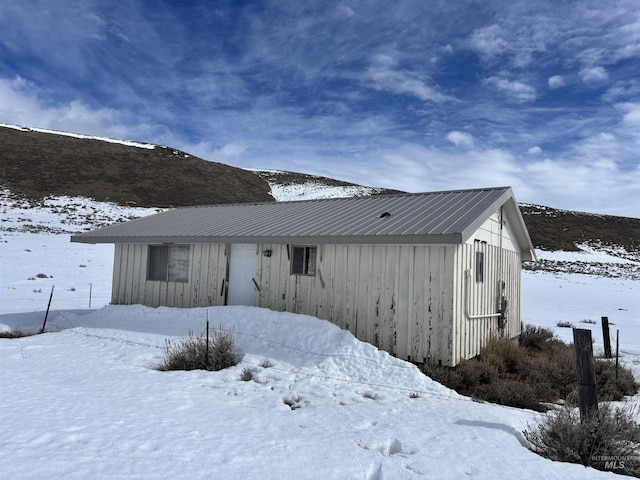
[424, 276]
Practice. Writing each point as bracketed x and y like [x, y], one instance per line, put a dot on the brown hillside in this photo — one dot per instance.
[38, 164]
[552, 229]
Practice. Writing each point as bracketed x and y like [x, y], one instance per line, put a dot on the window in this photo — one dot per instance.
[169, 263]
[479, 267]
[303, 261]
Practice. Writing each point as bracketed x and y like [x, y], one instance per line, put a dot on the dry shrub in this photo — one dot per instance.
[609, 440]
[191, 353]
[513, 394]
[552, 374]
[467, 377]
[512, 357]
[608, 386]
[495, 360]
[15, 334]
[550, 379]
[267, 363]
[537, 370]
[445, 375]
[475, 373]
[535, 338]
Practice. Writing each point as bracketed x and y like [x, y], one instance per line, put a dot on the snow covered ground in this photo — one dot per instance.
[86, 401]
[313, 188]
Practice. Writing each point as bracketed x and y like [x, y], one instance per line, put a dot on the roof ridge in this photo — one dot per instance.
[354, 197]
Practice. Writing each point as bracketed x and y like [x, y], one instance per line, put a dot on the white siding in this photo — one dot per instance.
[490, 233]
[207, 270]
[395, 297]
[482, 300]
[413, 301]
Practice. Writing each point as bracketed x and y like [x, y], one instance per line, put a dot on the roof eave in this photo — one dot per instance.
[449, 239]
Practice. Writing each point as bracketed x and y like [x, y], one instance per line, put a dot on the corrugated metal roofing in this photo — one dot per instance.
[436, 217]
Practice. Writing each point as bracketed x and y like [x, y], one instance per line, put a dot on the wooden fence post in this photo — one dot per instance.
[606, 337]
[206, 350]
[585, 373]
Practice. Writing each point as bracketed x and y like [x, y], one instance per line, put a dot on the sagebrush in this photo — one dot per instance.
[612, 384]
[537, 370]
[196, 353]
[608, 440]
[534, 337]
[15, 334]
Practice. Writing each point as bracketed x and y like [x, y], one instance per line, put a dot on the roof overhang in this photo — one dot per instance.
[452, 239]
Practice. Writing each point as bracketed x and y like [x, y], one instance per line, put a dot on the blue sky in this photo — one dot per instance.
[415, 95]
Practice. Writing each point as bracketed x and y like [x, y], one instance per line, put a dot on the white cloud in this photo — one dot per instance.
[21, 104]
[383, 76]
[513, 88]
[228, 154]
[605, 137]
[593, 183]
[446, 51]
[345, 11]
[631, 113]
[584, 185]
[623, 89]
[412, 167]
[16, 105]
[516, 35]
[556, 81]
[594, 75]
[535, 150]
[489, 41]
[460, 139]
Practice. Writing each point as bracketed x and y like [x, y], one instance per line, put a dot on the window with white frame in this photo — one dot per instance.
[303, 260]
[169, 263]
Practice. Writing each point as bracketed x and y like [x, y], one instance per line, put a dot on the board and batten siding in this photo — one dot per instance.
[397, 297]
[478, 303]
[205, 287]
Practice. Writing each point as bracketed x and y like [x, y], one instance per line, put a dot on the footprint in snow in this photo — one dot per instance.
[374, 472]
[386, 448]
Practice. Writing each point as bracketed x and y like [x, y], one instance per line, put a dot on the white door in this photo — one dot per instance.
[243, 264]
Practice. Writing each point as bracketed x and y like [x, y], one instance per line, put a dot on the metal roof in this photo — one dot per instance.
[436, 218]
